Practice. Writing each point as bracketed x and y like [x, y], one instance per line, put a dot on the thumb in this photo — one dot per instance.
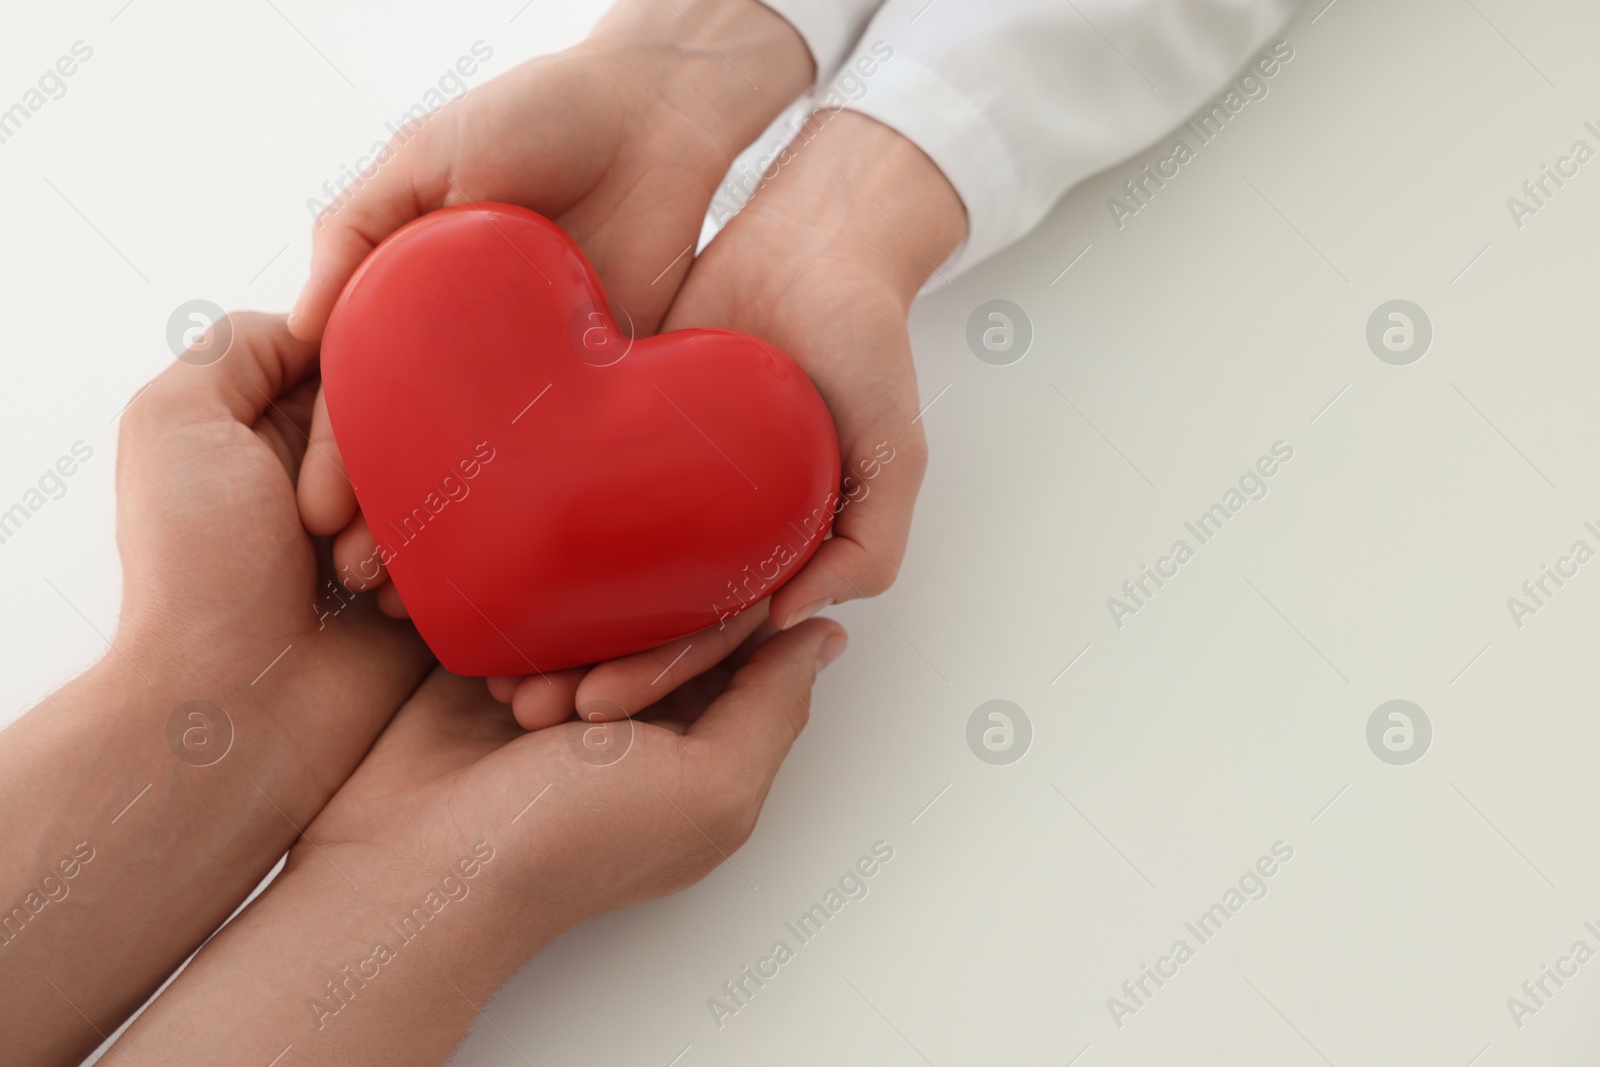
[400, 184]
[748, 730]
[260, 363]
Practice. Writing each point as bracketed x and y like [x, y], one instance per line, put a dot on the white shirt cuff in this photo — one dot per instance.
[962, 141]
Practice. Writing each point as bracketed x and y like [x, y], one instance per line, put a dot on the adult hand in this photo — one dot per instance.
[219, 577]
[824, 262]
[463, 845]
[167, 812]
[621, 141]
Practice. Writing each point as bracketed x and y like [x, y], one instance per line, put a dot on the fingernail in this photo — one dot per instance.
[807, 611]
[830, 650]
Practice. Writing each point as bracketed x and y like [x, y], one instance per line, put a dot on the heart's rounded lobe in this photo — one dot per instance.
[545, 491]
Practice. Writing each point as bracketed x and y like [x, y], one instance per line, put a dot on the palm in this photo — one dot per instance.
[425, 763]
[834, 314]
[820, 311]
[574, 835]
[454, 767]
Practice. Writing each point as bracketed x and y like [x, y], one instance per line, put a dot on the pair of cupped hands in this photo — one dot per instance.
[233, 512]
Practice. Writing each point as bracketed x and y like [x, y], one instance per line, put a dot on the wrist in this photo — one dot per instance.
[247, 741]
[197, 712]
[850, 186]
[456, 900]
[730, 66]
[521, 894]
[352, 955]
[200, 745]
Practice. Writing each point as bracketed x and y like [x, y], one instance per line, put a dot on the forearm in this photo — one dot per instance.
[1020, 100]
[132, 831]
[352, 957]
[441, 867]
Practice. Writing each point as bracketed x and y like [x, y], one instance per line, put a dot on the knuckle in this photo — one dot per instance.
[402, 141]
[916, 451]
[741, 826]
[251, 323]
[913, 443]
[149, 412]
[801, 718]
[733, 821]
[877, 572]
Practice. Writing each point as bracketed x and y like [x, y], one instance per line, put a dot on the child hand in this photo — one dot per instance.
[824, 263]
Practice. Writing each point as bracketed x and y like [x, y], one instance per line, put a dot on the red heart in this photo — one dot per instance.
[546, 494]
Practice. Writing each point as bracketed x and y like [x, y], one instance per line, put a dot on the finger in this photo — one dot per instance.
[389, 602]
[386, 196]
[870, 531]
[284, 426]
[688, 702]
[326, 495]
[503, 687]
[355, 557]
[260, 362]
[749, 729]
[741, 655]
[543, 700]
[632, 683]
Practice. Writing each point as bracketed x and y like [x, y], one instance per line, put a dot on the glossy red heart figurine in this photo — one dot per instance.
[545, 491]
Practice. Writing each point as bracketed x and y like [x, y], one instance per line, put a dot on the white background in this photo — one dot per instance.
[1224, 717]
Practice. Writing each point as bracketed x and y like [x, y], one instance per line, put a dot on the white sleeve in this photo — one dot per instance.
[1019, 100]
[828, 27]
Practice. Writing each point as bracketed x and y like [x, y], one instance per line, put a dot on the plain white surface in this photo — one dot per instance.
[1226, 716]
